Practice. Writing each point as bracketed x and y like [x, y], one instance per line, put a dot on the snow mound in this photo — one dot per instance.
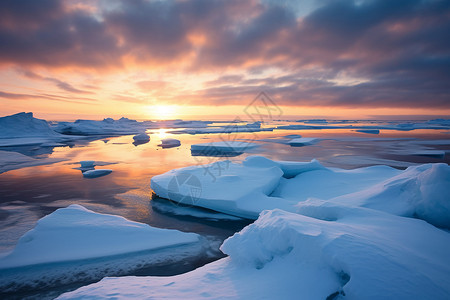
[169, 143]
[76, 233]
[419, 191]
[221, 148]
[372, 251]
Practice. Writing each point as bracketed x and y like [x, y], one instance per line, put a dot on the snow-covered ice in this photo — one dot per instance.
[74, 244]
[142, 137]
[169, 143]
[24, 129]
[360, 254]
[108, 126]
[245, 189]
[76, 233]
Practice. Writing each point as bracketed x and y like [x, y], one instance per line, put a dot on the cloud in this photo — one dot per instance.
[22, 96]
[400, 48]
[59, 83]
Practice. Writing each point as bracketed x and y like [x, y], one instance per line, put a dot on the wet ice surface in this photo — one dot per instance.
[30, 193]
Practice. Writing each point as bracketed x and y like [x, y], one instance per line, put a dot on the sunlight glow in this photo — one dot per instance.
[163, 112]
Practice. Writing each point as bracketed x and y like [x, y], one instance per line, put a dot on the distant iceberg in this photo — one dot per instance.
[24, 129]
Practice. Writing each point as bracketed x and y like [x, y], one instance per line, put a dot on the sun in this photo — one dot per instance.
[163, 112]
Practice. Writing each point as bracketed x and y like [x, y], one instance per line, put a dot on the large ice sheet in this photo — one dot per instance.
[362, 254]
[76, 233]
[259, 183]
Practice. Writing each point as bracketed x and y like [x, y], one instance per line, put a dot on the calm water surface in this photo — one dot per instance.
[30, 193]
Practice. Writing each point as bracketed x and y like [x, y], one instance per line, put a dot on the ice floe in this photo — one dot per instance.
[76, 233]
[169, 143]
[245, 189]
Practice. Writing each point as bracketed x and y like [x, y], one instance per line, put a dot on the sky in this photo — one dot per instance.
[210, 59]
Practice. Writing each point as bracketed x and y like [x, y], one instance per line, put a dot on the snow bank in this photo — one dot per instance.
[169, 143]
[365, 254]
[76, 233]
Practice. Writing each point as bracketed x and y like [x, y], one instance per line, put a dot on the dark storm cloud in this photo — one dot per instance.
[401, 48]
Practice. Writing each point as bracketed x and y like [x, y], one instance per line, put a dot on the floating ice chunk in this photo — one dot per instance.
[87, 163]
[76, 233]
[371, 131]
[142, 137]
[223, 186]
[228, 148]
[299, 142]
[96, 173]
[169, 143]
[364, 254]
